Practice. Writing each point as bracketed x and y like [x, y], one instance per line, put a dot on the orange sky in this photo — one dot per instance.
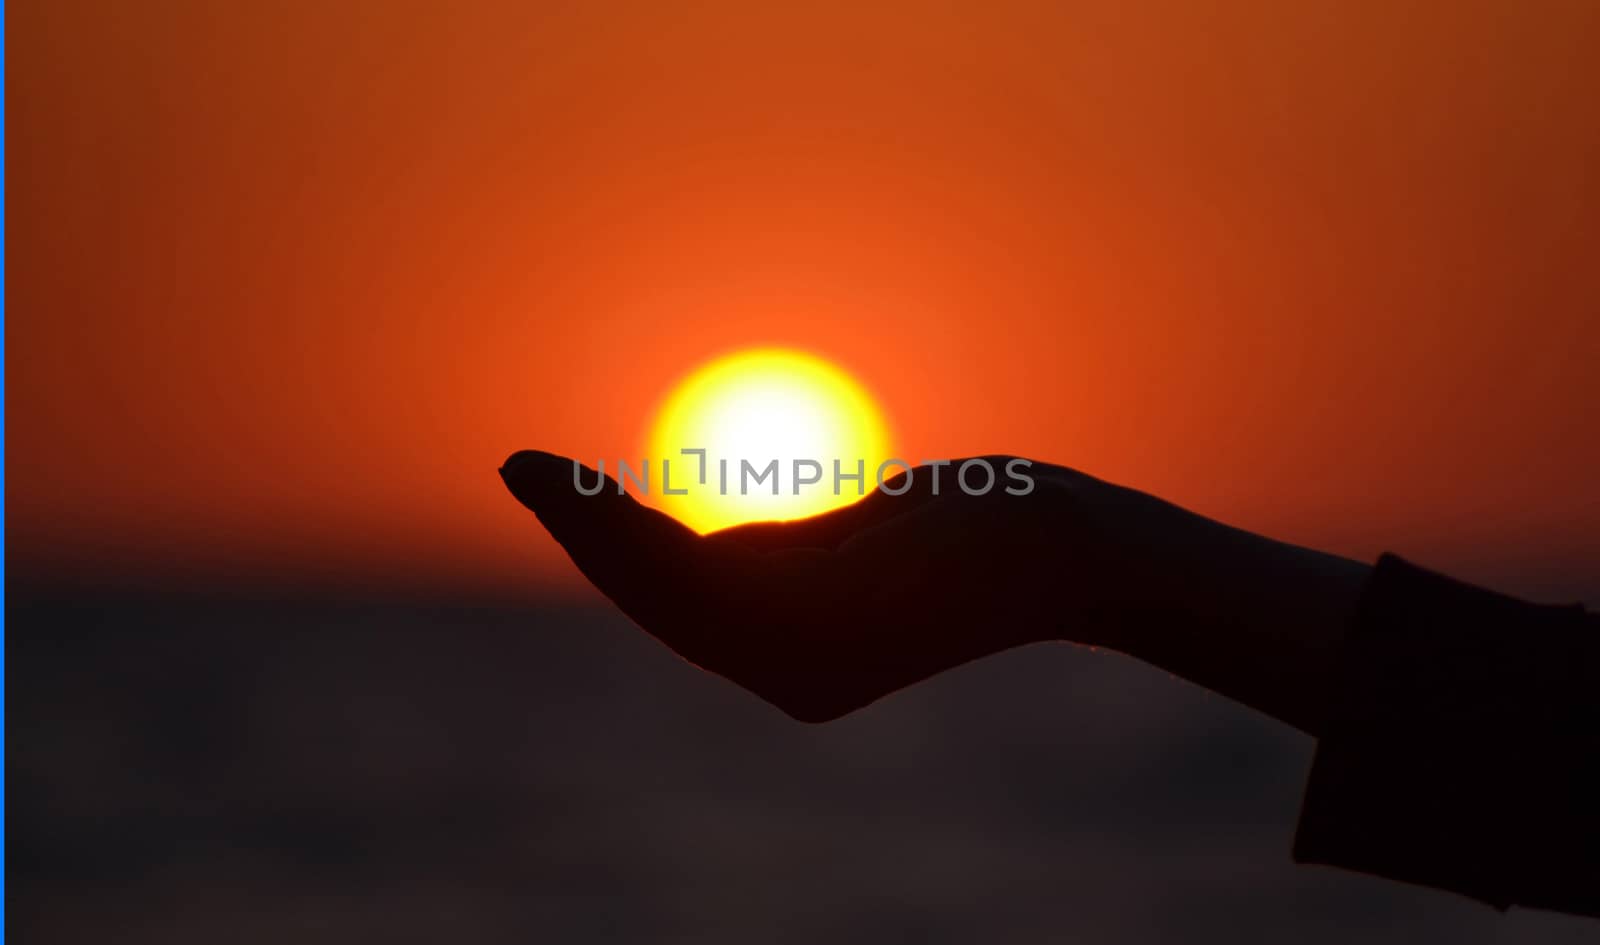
[287, 281]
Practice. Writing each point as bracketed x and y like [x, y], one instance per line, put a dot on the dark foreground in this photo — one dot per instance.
[184, 768]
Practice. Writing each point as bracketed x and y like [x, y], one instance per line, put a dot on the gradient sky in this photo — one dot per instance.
[287, 281]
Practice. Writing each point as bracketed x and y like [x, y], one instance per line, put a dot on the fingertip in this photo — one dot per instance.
[626, 549]
[534, 476]
[526, 460]
[548, 486]
[570, 498]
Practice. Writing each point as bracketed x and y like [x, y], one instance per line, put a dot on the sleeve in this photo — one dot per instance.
[1462, 746]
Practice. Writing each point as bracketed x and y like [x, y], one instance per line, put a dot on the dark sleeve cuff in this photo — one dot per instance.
[1462, 746]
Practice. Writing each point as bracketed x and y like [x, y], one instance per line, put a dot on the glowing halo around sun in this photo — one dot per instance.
[757, 406]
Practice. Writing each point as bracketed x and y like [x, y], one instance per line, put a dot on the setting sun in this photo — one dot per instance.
[792, 416]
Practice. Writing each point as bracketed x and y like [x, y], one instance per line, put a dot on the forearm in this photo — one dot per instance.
[1253, 619]
[1266, 627]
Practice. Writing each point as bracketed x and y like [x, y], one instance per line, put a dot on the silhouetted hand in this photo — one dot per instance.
[821, 616]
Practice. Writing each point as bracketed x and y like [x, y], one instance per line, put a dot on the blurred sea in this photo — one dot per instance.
[193, 768]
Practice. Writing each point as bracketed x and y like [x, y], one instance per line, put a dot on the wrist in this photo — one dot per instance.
[1257, 620]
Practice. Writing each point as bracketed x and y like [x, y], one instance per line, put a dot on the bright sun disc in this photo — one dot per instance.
[755, 407]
